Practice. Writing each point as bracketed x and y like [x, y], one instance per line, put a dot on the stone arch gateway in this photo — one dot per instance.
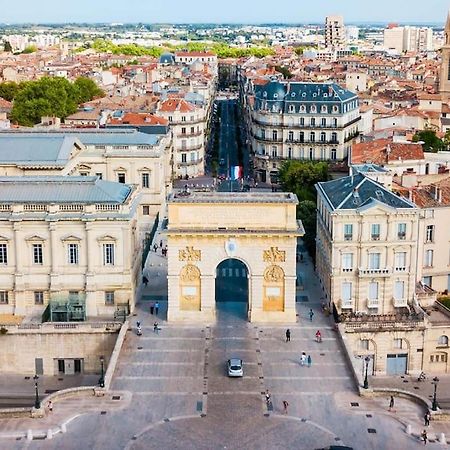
[258, 229]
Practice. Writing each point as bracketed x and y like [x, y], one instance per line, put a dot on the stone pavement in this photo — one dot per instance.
[180, 397]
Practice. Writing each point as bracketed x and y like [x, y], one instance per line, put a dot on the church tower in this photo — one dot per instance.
[444, 83]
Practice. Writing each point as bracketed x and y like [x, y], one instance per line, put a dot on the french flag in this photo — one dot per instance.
[236, 172]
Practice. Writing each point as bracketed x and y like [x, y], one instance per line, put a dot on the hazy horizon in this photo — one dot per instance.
[251, 12]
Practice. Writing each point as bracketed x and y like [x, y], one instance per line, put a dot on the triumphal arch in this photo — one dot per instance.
[259, 230]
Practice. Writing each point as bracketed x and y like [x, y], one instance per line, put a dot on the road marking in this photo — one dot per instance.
[125, 363]
[162, 377]
[166, 393]
[316, 378]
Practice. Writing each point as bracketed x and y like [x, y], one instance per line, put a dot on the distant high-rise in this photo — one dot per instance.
[444, 85]
[334, 31]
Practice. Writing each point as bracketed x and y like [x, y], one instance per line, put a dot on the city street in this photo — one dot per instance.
[176, 393]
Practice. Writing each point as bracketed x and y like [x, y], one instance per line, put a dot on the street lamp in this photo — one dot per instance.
[37, 402]
[101, 381]
[366, 381]
[434, 404]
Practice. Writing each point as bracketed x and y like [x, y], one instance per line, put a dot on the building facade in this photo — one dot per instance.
[444, 84]
[70, 241]
[304, 121]
[334, 31]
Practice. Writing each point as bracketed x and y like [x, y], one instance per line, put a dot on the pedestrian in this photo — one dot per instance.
[424, 437]
[303, 359]
[427, 418]
[156, 308]
[155, 247]
[138, 324]
[155, 327]
[391, 403]
[311, 315]
[288, 335]
[268, 397]
[50, 406]
[285, 406]
[309, 361]
[160, 243]
[152, 308]
[145, 280]
[165, 250]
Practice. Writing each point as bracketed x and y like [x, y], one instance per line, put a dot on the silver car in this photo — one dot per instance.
[235, 367]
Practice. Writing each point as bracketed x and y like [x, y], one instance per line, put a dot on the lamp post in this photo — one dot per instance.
[101, 381]
[37, 402]
[434, 404]
[366, 381]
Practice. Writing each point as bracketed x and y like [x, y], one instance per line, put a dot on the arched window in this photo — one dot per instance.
[443, 340]
[313, 108]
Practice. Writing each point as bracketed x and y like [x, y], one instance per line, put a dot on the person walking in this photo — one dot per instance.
[152, 308]
[424, 437]
[268, 397]
[156, 308]
[145, 280]
[303, 359]
[285, 406]
[288, 335]
[309, 360]
[427, 418]
[160, 244]
[391, 403]
[50, 406]
[155, 247]
[156, 328]
[311, 315]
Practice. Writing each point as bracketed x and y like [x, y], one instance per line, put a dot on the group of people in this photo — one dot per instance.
[163, 249]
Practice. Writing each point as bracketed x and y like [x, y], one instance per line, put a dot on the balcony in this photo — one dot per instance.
[400, 302]
[304, 141]
[267, 139]
[188, 135]
[400, 269]
[189, 147]
[347, 304]
[374, 272]
[373, 303]
[347, 269]
[190, 163]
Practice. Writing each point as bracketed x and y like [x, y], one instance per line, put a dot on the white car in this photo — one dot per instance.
[235, 367]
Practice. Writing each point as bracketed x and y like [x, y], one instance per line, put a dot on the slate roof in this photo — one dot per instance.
[36, 149]
[352, 192]
[61, 189]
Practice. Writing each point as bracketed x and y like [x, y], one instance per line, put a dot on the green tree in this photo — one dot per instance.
[287, 74]
[30, 49]
[86, 90]
[306, 212]
[431, 143]
[7, 47]
[8, 90]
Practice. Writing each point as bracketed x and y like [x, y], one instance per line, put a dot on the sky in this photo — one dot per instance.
[228, 11]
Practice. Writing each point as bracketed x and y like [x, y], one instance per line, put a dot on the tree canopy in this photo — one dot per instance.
[8, 90]
[51, 96]
[431, 143]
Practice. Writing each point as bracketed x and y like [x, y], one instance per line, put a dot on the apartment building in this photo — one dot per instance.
[295, 120]
[67, 242]
[334, 31]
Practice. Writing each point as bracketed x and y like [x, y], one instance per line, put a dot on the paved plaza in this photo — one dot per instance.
[170, 390]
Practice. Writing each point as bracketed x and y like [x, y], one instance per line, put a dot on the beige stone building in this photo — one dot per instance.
[370, 247]
[67, 242]
[259, 230]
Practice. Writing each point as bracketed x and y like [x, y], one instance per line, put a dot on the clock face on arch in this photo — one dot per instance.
[230, 247]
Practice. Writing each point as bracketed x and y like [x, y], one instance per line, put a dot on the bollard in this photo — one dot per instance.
[442, 439]
[63, 428]
[408, 429]
[49, 434]
[29, 435]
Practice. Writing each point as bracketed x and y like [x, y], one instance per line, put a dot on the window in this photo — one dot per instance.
[335, 123]
[109, 297]
[375, 232]
[312, 136]
[438, 357]
[400, 261]
[121, 177]
[183, 118]
[301, 136]
[401, 231]
[334, 137]
[183, 157]
[323, 122]
[313, 121]
[428, 258]
[193, 130]
[193, 157]
[443, 340]
[37, 254]
[145, 180]
[311, 154]
[145, 210]
[274, 135]
[430, 233]
[183, 130]
[291, 136]
[108, 254]
[263, 134]
[313, 110]
[364, 344]
[170, 118]
[373, 290]
[291, 108]
[274, 152]
[84, 174]
[302, 121]
[374, 260]
[290, 152]
[38, 297]
[99, 175]
[183, 144]
[72, 253]
[427, 281]
[399, 290]
[398, 343]
[347, 262]
[346, 292]
[333, 153]
[3, 254]
[322, 136]
[3, 297]
[348, 231]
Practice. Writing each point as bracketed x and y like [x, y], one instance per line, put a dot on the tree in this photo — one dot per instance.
[86, 89]
[287, 74]
[7, 47]
[306, 212]
[30, 49]
[431, 143]
[8, 90]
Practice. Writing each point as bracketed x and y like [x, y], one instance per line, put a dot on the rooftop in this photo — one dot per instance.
[234, 197]
[61, 189]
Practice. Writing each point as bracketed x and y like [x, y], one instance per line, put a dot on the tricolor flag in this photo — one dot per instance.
[236, 172]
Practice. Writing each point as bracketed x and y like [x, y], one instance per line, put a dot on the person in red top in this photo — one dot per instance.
[318, 336]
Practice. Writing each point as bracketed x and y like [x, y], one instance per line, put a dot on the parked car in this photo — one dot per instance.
[235, 367]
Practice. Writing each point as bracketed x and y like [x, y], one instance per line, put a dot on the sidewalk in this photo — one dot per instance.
[64, 411]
